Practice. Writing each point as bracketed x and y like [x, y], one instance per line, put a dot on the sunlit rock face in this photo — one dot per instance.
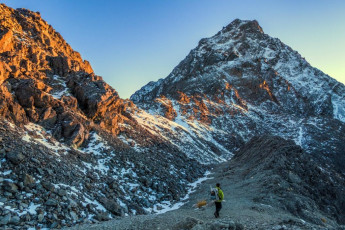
[241, 82]
[71, 150]
[43, 80]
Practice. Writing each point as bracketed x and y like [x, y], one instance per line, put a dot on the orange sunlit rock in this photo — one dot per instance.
[183, 98]
[265, 86]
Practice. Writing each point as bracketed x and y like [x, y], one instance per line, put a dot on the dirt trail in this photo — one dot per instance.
[239, 208]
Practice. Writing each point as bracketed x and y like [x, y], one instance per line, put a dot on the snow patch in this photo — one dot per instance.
[96, 145]
[338, 108]
[300, 137]
[36, 133]
[62, 92]
[167, 206]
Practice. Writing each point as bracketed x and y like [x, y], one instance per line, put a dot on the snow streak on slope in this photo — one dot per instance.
[168, 206]
[191, 137]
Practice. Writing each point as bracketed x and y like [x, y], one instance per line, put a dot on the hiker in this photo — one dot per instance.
[218, 200]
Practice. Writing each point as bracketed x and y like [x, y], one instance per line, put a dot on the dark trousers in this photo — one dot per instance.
[218, 208]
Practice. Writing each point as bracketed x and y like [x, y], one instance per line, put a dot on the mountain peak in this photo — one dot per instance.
[22, 30]
[241, 72]
[251, 26]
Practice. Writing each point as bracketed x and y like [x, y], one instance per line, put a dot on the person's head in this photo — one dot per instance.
[218, 185]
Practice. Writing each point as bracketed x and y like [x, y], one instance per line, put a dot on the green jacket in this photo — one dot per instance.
[220, 195]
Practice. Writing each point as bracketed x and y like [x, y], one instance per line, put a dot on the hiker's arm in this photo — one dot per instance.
[221, 195]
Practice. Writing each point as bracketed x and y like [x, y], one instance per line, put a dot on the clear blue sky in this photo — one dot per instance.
[132, 42]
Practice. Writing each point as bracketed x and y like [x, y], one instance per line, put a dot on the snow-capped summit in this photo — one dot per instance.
[241, 82]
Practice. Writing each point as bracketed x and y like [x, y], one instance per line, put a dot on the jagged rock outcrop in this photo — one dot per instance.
[39, 66]
[99, 101]
[29, 44]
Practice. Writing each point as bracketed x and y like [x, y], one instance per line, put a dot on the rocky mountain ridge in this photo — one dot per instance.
[241, 83]
[72, 151]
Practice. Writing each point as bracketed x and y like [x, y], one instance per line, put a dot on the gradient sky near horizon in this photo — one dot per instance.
[132, 42]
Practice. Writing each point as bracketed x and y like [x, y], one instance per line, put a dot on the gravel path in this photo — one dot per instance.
[238, 207]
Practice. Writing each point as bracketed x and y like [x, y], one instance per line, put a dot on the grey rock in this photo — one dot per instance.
[239, 226]
[72, 203]
[61, 192]
[5, 219]
[112, 206]
[219, 225]
[293, 178]
[7, 194]
[102, 216]
[40, 171]
[51, 202]
[21, 185]
[187, 223]
[279, 227]
[86, 221]
[19, 197]
[199, 227]
[40, 217]
[74, 216]
[15, 220]
[27, 217]
[28, 180]
[54, 225]
[35, 160]
[232, 225]
[145, 202]
[50, 172]
[113, 185]
[48, 186]
[10, 187]
[15, 157]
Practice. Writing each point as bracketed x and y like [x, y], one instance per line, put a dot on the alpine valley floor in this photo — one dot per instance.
[239, 210]
[249, 203]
